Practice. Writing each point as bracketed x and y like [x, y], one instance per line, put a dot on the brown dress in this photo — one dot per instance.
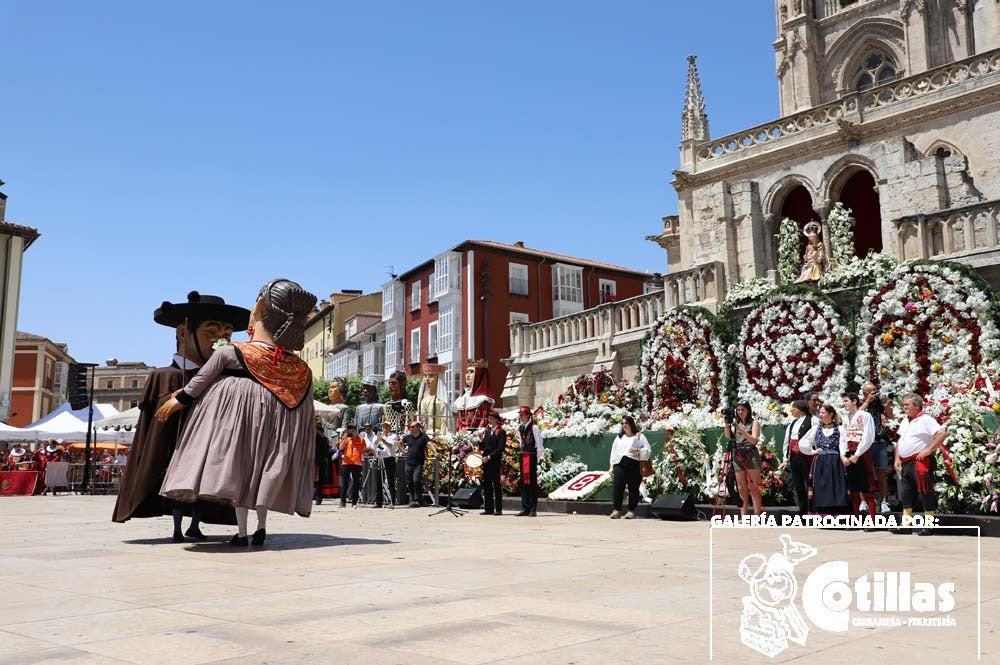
[149, 455]
[246, 442]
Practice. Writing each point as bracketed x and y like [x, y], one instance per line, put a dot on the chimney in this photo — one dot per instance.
[519, 243]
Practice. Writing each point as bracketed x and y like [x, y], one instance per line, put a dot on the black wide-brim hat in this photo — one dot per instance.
[202, 308]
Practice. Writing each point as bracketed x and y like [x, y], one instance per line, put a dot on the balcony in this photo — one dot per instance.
[968, 234]
[852, 116]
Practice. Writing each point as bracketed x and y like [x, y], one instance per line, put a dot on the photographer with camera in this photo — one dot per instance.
[878, 406]
[384, 446]
[743, 433]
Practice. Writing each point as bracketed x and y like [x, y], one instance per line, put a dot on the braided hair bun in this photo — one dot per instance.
[286, 308]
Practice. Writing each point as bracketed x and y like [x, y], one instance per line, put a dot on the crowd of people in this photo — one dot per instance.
[108, 464]
[838, 458]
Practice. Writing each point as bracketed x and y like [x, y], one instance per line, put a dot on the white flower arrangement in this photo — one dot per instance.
[876, 268]
[929, 324]
[682, 465]
[789, 257]
[582, 487]
[684, 334]
[740, 293]
[560, 472]
[840, 224]
[790, 345]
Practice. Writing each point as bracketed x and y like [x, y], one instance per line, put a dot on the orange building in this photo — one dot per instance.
[40, 370]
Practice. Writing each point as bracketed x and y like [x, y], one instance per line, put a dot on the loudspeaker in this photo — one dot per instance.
[468, 497]
[673, 507]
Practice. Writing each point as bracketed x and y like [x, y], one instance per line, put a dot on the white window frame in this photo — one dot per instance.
[519, 316]
[415, 346]
[516, 273]
[415, 295]
[391, 350]
[562, 278]
[612, 292]
[368, 360]
[441, 277]
[446, 329]
[387, 303]
[432, 339]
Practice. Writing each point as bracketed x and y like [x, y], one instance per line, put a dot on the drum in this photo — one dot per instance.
[473, 463]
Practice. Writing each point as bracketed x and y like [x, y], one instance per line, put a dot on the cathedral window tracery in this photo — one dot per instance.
[876, 69]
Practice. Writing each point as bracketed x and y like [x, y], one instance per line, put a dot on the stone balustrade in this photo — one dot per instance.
[702, 284]
[851, 108]
[956, 233]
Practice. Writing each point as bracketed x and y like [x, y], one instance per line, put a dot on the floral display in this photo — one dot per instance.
[840, 225]
[461, 444]
[560, 472]
[789, 251]
[682, 465]
[682, 363]
[582, 487]
[739, 294]
[930, 323]
[873, 269]
[791, 344]
[593, 405]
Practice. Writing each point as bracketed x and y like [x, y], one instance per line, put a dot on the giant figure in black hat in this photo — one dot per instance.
[200, 324]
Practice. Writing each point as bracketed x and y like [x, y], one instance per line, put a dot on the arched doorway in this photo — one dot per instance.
[798, 206]
[860, 195]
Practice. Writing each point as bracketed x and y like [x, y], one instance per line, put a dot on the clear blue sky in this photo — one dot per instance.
[165, 147]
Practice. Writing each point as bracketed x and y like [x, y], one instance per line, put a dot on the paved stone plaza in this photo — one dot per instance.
[379, 586]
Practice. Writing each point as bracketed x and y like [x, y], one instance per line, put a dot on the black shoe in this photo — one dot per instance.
[178, 537]
[487, 512]
[533, 513]
[523, 513]
[902, 531]
[343, 504]
[319, 501]
[926, 531]
[258, 537]
[195, 533]
[239, 541]
[414, 504]
[498, 513]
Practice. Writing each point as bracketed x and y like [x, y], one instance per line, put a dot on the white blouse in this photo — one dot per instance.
[623, 445]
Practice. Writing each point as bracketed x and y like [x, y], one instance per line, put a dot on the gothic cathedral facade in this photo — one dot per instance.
[891, 107]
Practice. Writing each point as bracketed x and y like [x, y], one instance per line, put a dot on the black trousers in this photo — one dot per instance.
[798, 469]
[909, 488]
[324, 475]
[492, 489]
[626, 474]
[415, 481]
[529, 482]
[350, 474]
[390, 474]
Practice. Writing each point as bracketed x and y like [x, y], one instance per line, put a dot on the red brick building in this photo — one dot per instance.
[40, 370]
[459, 305]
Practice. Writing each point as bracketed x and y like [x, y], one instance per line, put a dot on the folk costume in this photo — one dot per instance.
[531, 452]
[492, 446]
[17, 456]
[828, 480]
[432, 407]
[917, 477]
[860, 429]
[474, 405]
[43, 457]
[249, 438]
[798, 461]
[154, 442]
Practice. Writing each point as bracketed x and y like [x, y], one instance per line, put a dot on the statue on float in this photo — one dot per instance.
[814, 261]
[432, 404]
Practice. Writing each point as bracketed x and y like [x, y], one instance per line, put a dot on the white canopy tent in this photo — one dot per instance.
[128, 418]
[10, 433]
[64, 423]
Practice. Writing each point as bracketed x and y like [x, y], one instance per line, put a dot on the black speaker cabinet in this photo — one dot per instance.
[468, 497]
[673, 507]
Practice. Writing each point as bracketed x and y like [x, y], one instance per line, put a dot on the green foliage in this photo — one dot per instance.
[411, 393]
[320, 389]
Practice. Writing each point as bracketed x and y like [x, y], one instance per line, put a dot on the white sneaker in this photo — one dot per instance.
[886, 508]
[615, 515]
[863, 508]
[630, 515]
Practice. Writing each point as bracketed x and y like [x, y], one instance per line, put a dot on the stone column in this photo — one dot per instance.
[914, 15]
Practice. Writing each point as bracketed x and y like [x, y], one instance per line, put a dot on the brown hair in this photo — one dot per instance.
[286, 308]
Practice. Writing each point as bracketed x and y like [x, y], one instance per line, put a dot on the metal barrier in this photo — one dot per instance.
[104, 478]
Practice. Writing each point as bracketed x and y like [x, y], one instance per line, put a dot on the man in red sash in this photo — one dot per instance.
[531, 453]
[920, 436]
[860, 429]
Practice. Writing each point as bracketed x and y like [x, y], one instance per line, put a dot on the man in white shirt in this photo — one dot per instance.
[531, 453]
[385, 444]
[860, 428]
[920, 436]
[794, 459]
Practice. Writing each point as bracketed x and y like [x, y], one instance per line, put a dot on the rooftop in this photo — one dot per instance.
[29, 234]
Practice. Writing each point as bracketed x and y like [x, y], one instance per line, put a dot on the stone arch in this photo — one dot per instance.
[844, 57]
[793, 196]
[853, 181]
[779, 191]
[942, 145]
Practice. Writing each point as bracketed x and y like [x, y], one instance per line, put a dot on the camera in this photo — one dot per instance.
[884, 394]
[729, 413]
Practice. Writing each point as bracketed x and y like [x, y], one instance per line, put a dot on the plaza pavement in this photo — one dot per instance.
[371, 586]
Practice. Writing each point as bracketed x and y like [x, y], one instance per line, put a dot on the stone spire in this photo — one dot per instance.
[694, 121]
